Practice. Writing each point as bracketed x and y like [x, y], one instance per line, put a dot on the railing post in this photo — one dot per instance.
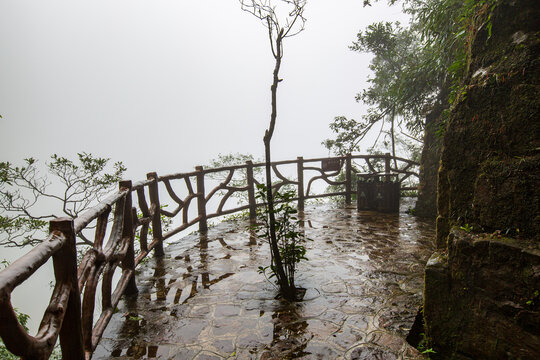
[128, 262]
[348, 181]
[65, 271]
[155, 211]
[387, 167]
[362, 195]
[251, 192]
[300, 169]
[201, 201]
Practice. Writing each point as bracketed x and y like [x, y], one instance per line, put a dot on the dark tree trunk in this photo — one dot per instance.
[287, 290]
[392, 133]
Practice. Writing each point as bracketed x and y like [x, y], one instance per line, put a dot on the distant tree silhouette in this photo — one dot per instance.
[76, 186]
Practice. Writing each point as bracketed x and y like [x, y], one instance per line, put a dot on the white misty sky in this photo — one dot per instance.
[166, 85]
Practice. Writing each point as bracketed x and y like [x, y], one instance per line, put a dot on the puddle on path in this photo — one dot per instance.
[205, 299]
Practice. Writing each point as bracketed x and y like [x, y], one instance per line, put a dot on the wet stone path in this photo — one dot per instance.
[205, 299]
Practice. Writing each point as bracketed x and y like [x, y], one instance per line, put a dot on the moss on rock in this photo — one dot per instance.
[482, 301]
[496, 127]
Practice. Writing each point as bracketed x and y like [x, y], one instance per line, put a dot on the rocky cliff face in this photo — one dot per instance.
[482, 289]
[491, 145]
[482, 298]
[426, 205]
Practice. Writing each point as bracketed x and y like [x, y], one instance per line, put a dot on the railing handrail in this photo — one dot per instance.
[70, 317]
[176, 176]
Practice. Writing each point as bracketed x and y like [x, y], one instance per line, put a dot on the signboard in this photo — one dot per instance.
[331, 164]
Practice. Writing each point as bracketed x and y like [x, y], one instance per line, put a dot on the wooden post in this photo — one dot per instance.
[300, 169]
[128, 262]
[155, 211]
[65, 271]
[395, 196]
[143, 206]
[251, 192]
[380, 196]
[201, 201]
[387, 166]
[361, 195]
[348, 181]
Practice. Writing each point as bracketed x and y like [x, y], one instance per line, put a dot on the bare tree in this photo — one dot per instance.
[283, 19]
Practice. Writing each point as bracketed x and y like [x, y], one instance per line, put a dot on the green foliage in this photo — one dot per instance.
[241, 215]
[414, 68]
[135, 317]
[429, 351]
[282, 19]
[399, 90]
[409, 193]
[423, 346]
[230, 159]
[466, 227]
[348, 134]
[447, 28]
[290, 239]
[534, 300]
[77, 185]
[399, 85]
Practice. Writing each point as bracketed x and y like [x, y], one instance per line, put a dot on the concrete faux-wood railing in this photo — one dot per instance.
[70, 313]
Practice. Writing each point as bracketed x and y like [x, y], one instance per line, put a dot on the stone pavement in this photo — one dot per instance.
[205, 299]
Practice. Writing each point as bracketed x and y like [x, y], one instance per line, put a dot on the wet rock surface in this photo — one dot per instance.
[488, 289]
[205, 300]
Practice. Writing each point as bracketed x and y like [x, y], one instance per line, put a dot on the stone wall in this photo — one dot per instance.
[482, 289]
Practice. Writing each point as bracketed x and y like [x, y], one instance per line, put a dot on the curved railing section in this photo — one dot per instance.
[136, 230]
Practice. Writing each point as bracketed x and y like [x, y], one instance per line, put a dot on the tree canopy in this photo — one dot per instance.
[413, 67]
[71, 188]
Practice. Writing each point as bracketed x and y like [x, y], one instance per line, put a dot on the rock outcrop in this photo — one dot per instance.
[426, 205]
[482, 288]
[482, 298]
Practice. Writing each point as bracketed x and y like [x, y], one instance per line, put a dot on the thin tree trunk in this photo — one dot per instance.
[393, 137]
[287, 289]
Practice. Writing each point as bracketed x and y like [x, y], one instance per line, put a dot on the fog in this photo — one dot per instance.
[167, 85]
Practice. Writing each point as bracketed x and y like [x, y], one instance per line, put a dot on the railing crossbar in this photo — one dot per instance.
[74, 325]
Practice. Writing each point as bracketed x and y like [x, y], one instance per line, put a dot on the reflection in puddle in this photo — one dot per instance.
[205, 299]
[289, 332]
[138, 351]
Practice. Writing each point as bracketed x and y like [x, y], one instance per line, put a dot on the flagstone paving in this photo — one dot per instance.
[206, 300]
